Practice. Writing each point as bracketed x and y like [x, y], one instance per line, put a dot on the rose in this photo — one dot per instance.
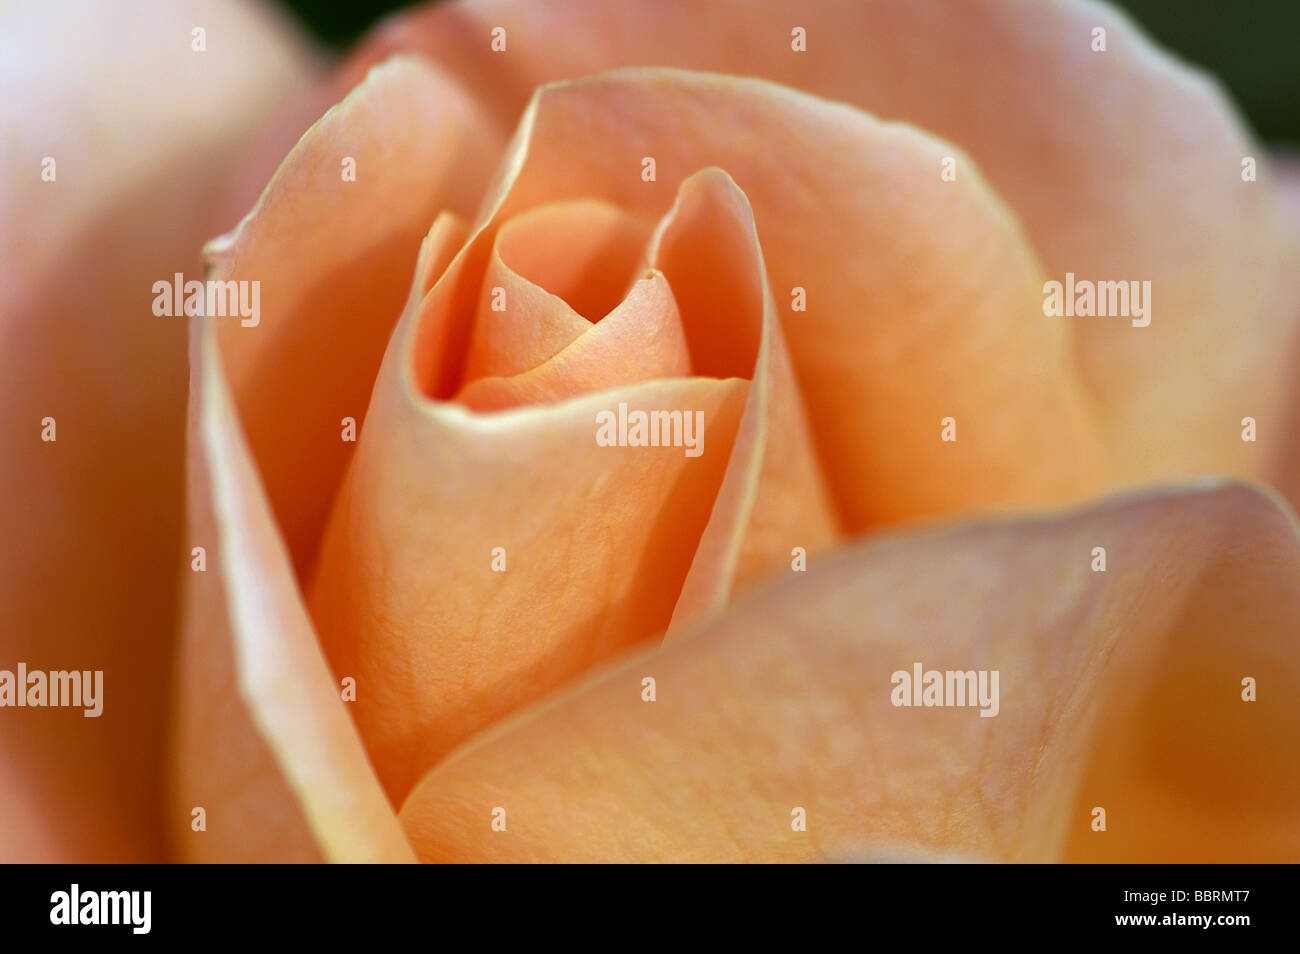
[401, 590]
[761, 708]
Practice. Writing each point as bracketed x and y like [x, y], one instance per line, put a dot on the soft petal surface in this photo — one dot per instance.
[334, 259]
[773, 500]
[139, 127]
[262, 742]
[1284, 472]
[1097, 153]
[1120, 689]
[640, 340]
[427, 476]
[554, 270]
[590, 546]
[922, 297]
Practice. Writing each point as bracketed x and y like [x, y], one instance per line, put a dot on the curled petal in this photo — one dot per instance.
[473, 562]
[640, 340]
[332, 247]
[278, 767]
[554, 270]
[773, 501]
[922, 298]
[262, 742]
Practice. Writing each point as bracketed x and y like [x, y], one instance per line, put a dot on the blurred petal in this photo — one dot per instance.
[140, 129]
[263, 743]
[1284, 471]
[1119, 689]
[1122, 165]
[1287, 170]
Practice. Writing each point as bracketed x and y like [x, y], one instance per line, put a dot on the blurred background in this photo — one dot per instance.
[1253, 46]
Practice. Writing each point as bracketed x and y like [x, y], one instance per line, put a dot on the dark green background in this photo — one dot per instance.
[1252, 45]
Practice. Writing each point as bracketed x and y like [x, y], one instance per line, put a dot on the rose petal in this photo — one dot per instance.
[554, 271]
[1119, 689]
[1096, 152]
[139, 126]
[262, 740]
[1284, 469]
[533, 325]
[583, 252]
[923, 299]
[298, 770]
[334, 260]
[596, 542]
[640, 340]
[560, 267]
[773, 499]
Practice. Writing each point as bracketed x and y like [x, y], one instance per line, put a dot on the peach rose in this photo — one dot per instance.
[634, 405]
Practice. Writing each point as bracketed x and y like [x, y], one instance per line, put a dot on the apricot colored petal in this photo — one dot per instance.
[475, 561]
[519, 325]
[1120, 689]
[640, 340]
[773, 502]
[1097, 153]
[923, 300]
[559, 268]
[583, 251]
[333, 256]
[262, 741]
[108, 187]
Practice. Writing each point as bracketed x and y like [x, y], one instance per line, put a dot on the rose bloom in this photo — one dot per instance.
[374, 587]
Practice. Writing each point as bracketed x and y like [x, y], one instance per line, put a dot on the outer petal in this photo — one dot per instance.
[263, 742]
[1123, 165]
[1119, 689]
[274, 766]
[1284, 472]
[334, 260]
[92, 521]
